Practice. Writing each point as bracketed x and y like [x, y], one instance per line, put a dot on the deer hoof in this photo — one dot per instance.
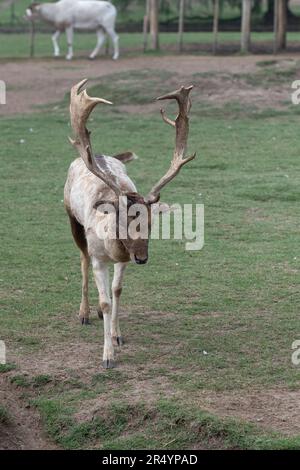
[108, 364]
[85, 321]
[118, 340]
[100, 314]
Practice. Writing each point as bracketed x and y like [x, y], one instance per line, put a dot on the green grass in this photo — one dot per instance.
[17, 45]
[6, 367]
[4, 416]
[20, 380]
[167, 425]
[237, 299]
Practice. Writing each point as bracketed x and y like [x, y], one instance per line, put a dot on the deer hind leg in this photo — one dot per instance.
[119, 269]
[115, 40]
[69, 34]
[101, 275]
[80, 240]
[84, 312]
[100, 40]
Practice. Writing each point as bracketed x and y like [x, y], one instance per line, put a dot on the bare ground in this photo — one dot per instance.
[24, 430]
[41, 82]
[275, 409]
[34, 83]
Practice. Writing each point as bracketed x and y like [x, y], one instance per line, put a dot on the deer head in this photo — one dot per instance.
[81, 106]
[32, 11]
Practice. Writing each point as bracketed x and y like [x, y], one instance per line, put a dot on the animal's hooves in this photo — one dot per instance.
[85, 321]
[108, 364]
[91, 58]
[118, 340]
[100, 314]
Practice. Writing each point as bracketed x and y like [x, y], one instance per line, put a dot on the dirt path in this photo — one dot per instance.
[39, 82]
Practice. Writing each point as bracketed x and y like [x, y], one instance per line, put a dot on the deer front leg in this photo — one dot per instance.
[55, 37]
[101, 275]
[119, 269]
[84, 312]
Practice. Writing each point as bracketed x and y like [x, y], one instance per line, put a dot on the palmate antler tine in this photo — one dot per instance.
[81, 106]
[181, 124]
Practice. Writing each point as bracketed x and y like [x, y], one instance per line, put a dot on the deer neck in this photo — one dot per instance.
[117, 251]
[47, 12]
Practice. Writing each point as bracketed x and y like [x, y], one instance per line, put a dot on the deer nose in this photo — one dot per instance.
[140, 261]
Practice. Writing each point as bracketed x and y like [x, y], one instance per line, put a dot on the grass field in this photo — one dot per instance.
[237, 299]
[15, 46]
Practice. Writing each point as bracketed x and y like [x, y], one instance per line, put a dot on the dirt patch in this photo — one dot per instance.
[24, 429]
[34, 83]
[275, 409]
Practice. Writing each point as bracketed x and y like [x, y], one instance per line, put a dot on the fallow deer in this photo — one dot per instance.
[92, 182]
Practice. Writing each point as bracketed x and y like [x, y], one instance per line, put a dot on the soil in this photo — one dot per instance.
[31, 84]
[24, 430]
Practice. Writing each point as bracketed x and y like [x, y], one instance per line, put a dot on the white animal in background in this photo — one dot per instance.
[94, 181]
[67, 15]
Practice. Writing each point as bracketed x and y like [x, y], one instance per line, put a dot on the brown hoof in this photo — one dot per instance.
[85, 321]
[118, 341]
[100, 314]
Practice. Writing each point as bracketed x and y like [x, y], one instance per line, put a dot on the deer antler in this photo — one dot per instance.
[181, 125]
[81, 106]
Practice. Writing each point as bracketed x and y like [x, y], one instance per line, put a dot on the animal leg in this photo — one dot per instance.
[101, 275]
[69, 34]
[54, 38]
[100, 40]
[115, 40]
[119, 269]
[84, 312]
[80, 240]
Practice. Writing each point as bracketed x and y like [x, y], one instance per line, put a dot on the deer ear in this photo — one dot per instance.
[106, 207]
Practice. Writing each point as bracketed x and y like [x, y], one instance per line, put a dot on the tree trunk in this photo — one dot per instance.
[246, 26]
[154, 25]
[275, 26]
[32, 39]
[282, 24]
[146, 25]
[216, 25]
[269, 15]
[181, 24]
